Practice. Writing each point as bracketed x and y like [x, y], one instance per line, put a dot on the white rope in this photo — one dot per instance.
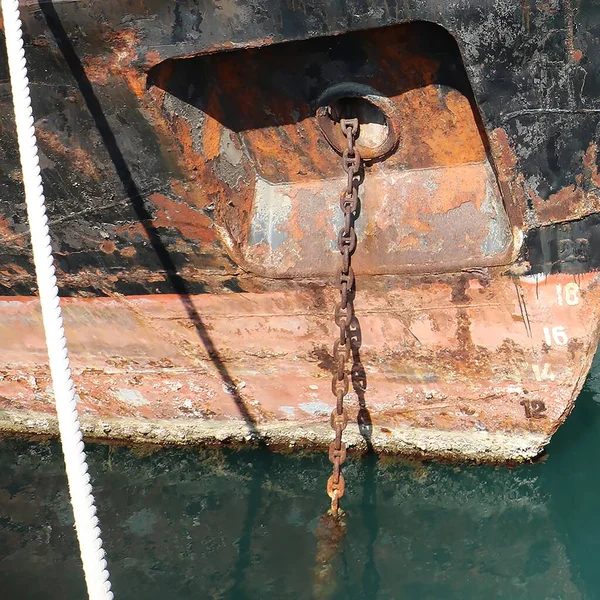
[82, 500]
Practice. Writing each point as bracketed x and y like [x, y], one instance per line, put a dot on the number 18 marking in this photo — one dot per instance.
[569, 294]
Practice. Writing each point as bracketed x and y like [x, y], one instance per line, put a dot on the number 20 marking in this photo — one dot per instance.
[569, 294]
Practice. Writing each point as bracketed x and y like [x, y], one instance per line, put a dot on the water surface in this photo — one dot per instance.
[183, 524]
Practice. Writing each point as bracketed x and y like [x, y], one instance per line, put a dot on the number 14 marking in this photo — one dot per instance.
[543, 373]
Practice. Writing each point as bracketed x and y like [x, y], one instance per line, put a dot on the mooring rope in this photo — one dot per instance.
[80, 489]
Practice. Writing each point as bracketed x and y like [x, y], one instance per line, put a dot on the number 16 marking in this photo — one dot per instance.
[556, 335]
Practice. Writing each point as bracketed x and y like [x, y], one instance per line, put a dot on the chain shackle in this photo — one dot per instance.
[350, 129]
[349, 201]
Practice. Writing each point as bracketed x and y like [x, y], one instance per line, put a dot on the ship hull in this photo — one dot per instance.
[457, 368]
[193, 197]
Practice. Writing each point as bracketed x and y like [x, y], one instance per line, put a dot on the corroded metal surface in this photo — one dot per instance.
[108, 80]
[432, 201]
[453, 366]
[183, 161]
[411, 221]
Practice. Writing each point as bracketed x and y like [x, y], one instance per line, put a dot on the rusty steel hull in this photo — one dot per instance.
[457, 367]
[193, 203]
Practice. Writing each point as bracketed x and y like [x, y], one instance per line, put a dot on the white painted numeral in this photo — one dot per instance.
[542, 373]
[570, 294]
[556, 335]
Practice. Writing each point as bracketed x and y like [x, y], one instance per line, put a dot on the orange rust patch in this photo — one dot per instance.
[571, 202]
[108, 247]
[211, 132]
[590, 164]
[96, 69]
[128, 252]
[136, 81]
[5, 230]
[211, 138]
[69, 149]
[133, 229]
[566, 204]
[446, 125]
[152, 58]
[505, 158]
[176, 133]
[192, 224]
[183, 132]
[418, 225]
[15, 272]
[410, 241]
[118, 61]
[194, 164]
[511, 182]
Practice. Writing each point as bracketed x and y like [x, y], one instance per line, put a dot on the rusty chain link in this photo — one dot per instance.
[344, 311]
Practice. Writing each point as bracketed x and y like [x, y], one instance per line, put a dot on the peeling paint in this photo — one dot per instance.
[133, 397]
[317, 409]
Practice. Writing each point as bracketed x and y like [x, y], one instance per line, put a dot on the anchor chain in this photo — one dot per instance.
[344, 311]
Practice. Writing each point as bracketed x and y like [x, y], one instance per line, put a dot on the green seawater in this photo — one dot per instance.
[183, 524]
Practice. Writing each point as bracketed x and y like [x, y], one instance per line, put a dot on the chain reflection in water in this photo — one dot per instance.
[330, 535]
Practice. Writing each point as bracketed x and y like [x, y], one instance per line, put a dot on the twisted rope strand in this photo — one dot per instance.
[80, 489]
